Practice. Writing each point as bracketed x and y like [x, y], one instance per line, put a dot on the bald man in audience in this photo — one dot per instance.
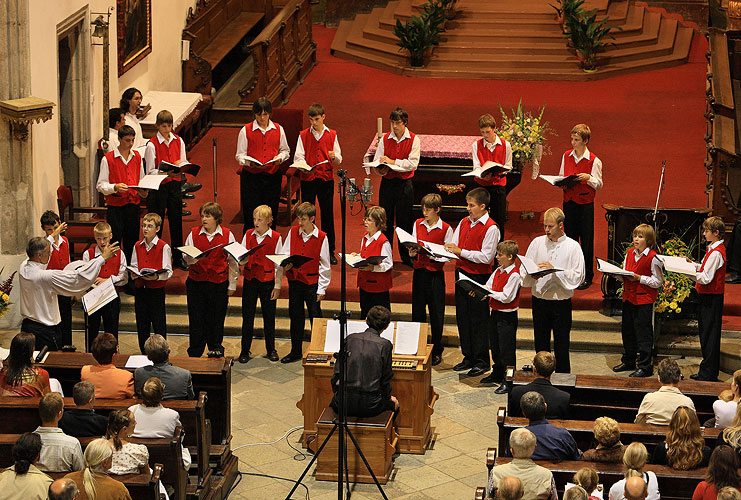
[510, 488]
[538, 482]
[63, 489]
[635, 488]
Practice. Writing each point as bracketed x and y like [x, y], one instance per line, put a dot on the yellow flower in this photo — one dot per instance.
[673, 305]
[679, 309]
[5, 297]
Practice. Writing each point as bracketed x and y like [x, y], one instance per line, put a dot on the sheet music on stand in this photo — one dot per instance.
[99, 296]
[407, 337]
[332, 336]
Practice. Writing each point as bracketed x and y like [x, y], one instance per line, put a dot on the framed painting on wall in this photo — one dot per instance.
[134, 32]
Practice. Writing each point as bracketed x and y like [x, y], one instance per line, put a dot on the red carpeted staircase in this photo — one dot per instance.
[517, 39]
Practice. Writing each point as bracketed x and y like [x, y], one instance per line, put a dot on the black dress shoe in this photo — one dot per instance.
[189, 187]
[243, 358]
[476, 371]
[624, 367]
[584, 285]
[273, 355]
[186, 213]
[332, 259]
[188, 196]
[733, 279]
[436, 359]
[462, 366]
[640, 372]
[290, 358]
[502, 389]
[492, 378]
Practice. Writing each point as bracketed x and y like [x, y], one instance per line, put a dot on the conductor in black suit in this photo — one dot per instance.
[557, 401]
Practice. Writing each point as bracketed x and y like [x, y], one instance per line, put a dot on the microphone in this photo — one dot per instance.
[41, 354]
[351, 192]
[367, 191]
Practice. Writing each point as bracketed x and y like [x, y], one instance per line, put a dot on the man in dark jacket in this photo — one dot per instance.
[544, 363]
[82, 421]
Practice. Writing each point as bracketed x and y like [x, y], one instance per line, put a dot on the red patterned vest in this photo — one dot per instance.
[633, 291]
[398, 151]
[718, 285]
[499, 155]
[59, 258]
[128, 173]
[309, 272]
[471, 238]
[258, 266]
[264, 147]
[501, 279]
[368, 280]
[111, 266]
[434, 236]
[581, 193]
[151, 259]
[214, 267]
[316, 151]
[166, 152]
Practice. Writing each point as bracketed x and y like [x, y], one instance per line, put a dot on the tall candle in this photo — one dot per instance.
[380, 126]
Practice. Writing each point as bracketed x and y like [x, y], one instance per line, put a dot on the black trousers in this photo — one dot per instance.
[513, 180]
[149, 307]
[363, 404]
[251, 291]
[638, 335]
[65, 326]
[256, 190]
[109, 315]
[168, 200]
[579, 226]
[553, 315]
[370, 299]
[124, 222]
[498, 206]
[396, 196]
[46, 336]
[502, 341]
[428, 290]
[323, 192]
[207, 304]
[299, 293]
[709, 319]
[472, 317]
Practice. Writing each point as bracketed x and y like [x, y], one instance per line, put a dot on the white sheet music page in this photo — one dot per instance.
[388, 333]
[407, 337]
[99, 296]
[137, 361]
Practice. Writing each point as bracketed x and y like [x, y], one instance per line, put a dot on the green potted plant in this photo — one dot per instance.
[567, 11]
[433, 12]
[450, 11]
[416, 36]
[587, 36]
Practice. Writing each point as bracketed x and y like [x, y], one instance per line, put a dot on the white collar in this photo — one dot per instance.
[561, 239]
[374, 237]
[319, 134]
[156, 238]
[315, 232]
[162, 139]
[271, 126]
[53, 244]
[580, 158]
[267, 233]
[217, 231]
[438, 224]
[715, 245]
[641, 254]
[117, 154]
[405, 135]
[483, 219]
[497, 142]
[507, 269]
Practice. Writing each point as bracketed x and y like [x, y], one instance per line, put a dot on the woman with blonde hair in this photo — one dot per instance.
[634, 459]
[731, 435]
[609, 448]
[725, 409]
[93, 482]
[684, 447]
[587, 478]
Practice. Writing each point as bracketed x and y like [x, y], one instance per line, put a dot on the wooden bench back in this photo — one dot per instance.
[208, 19]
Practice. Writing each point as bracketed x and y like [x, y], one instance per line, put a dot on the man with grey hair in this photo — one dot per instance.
[177, 381]
[39, 288]
[510, 488]
[658, 407]
[538, 482]
[82, 421]
[554, 443]
[63, 489]
[635, 488]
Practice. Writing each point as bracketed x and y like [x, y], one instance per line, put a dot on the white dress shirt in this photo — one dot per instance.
[565, 254]
[284, 152]
[387, 263]
[119, 279]
[133, 122]
[488, 246]
[448, 238]
[166, 257]
[278, 248]
[509, 292]
[409, 163]
[300, 154]
[595, 177]
[657, 270]
[104, 185]
[714, 262]
[158, 422]
[233, 265]
[150, 154]
[490, 147]
[40, 286]
[113, 141]
[325, 271]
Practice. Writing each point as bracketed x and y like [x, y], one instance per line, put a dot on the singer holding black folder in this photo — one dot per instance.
[374, 282]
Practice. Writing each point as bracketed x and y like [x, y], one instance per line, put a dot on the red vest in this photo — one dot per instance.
[118, 171]
[111, 266]
[214, 267]
[501, 279]
[471, 238]
[633, 291]
[434, 236]
[581, 193]
[718, 285]
[368, 280]
[316, 151]
[309, 272]
[164, 152]
[258, 266]
[151, 259]
[263, 147]
[59, 258]
[398, 151]
[499, 155]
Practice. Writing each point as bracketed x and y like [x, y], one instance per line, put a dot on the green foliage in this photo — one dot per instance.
[416, 36]
[585, 34]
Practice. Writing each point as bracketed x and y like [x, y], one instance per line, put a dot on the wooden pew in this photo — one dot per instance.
[144, 486]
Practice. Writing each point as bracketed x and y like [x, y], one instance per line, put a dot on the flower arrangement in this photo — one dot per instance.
[677, 287]
[5, 288]
[527, 135]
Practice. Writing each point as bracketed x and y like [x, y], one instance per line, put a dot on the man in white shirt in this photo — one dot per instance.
[552, 292]
[658, 407]
[59, 452]
[538, 481]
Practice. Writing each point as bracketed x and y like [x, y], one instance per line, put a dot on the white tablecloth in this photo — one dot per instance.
[180, 104]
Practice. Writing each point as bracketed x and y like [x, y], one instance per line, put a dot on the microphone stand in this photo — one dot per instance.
[658, 196]
[214, 149]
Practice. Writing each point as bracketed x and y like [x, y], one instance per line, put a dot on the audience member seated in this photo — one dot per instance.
[722, 472]
[60, 452]
[510, 488]
[684, 447]
[154, 420]
[93, 482]
[587, 478]
[658, 407]
[725, 408]
[731, 435]
[82, 421]
[538, 481]
[634, 459]
[63, 489]
[553, 443]
[609, 448]
[23, 480]
[19, 377]
[128, 458]
[544, 364]
[177, 381]
[729, 493]
[635, 488]
[109, 381]
[575, 493]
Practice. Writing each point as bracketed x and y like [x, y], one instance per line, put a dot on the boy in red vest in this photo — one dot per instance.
[491, 147]
[168, 199]
[264, 141]
[306, 283]
[374, 282]
[119, 169]
[396, 194]
[504, 302]
[149, 300]
[710, 286]
[259, 282]
[114, 268]
[474, 240]
[319, 144]
[58, 259]
[212, 278]
[639, 295]
[428, 279]
[578, 200]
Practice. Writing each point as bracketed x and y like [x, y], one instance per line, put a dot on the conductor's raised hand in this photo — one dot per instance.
[110, 250]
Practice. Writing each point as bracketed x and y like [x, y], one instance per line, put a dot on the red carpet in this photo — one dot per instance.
[636, 120]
